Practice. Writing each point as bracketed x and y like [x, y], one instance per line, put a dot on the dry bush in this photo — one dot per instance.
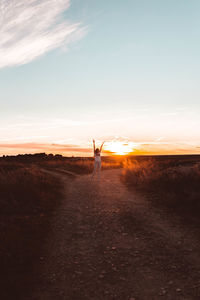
[176, 185]
[28, 197]
[27, 190]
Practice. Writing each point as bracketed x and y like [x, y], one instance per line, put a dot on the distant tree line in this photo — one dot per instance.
[38, 157]
[33, 157]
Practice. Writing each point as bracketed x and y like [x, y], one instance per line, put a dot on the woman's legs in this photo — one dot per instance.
[97, 168]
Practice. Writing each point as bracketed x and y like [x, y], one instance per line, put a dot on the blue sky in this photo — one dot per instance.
[114, 70]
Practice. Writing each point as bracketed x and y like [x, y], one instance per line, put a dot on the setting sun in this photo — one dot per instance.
[120, 148]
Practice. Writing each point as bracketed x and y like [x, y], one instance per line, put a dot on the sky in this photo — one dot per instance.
[126, 72]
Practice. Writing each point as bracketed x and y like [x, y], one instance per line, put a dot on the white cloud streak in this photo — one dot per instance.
[30, 28]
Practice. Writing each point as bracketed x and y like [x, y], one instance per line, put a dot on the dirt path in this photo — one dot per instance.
[108, 243]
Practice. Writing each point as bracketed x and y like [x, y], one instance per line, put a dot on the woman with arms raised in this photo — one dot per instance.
[97, 159]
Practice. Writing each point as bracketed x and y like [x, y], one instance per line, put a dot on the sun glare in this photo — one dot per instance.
[120, 148]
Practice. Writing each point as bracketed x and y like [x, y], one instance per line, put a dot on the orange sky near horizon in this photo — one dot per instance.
[140, 131]
[110, 148]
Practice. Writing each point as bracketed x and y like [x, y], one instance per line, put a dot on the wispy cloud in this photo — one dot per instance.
[29, 29]
[169, 114]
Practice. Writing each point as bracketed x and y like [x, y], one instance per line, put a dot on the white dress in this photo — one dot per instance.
[97, 157]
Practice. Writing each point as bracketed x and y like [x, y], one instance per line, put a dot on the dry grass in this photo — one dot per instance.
[175, 185]
[27, 190]
[82, 165]
[28, 197]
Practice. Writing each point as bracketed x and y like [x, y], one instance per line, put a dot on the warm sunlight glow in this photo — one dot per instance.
[120, 148]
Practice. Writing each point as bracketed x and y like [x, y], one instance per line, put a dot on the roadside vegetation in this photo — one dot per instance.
[28, 198]
[27, 190]
[81, 165]
[76, 165]
[172, 183]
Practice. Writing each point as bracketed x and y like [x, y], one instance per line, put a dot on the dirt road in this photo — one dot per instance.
[109, 243]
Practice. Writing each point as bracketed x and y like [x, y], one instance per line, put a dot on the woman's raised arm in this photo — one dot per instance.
[94, 145]
[101, 146]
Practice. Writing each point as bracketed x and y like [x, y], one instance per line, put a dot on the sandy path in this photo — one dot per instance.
[109, 243]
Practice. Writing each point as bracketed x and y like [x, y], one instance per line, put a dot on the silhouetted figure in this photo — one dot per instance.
[97, 160]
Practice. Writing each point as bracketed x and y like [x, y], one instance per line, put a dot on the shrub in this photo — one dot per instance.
[175, 185]
[27, 190]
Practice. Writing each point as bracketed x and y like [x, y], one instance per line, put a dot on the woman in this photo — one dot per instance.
[97, 159]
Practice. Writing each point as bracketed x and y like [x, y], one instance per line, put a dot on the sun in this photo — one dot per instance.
[120, 148]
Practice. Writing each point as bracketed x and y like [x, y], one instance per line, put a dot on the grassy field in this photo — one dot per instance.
[28, 197]
[171, 181]
[81, 165]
